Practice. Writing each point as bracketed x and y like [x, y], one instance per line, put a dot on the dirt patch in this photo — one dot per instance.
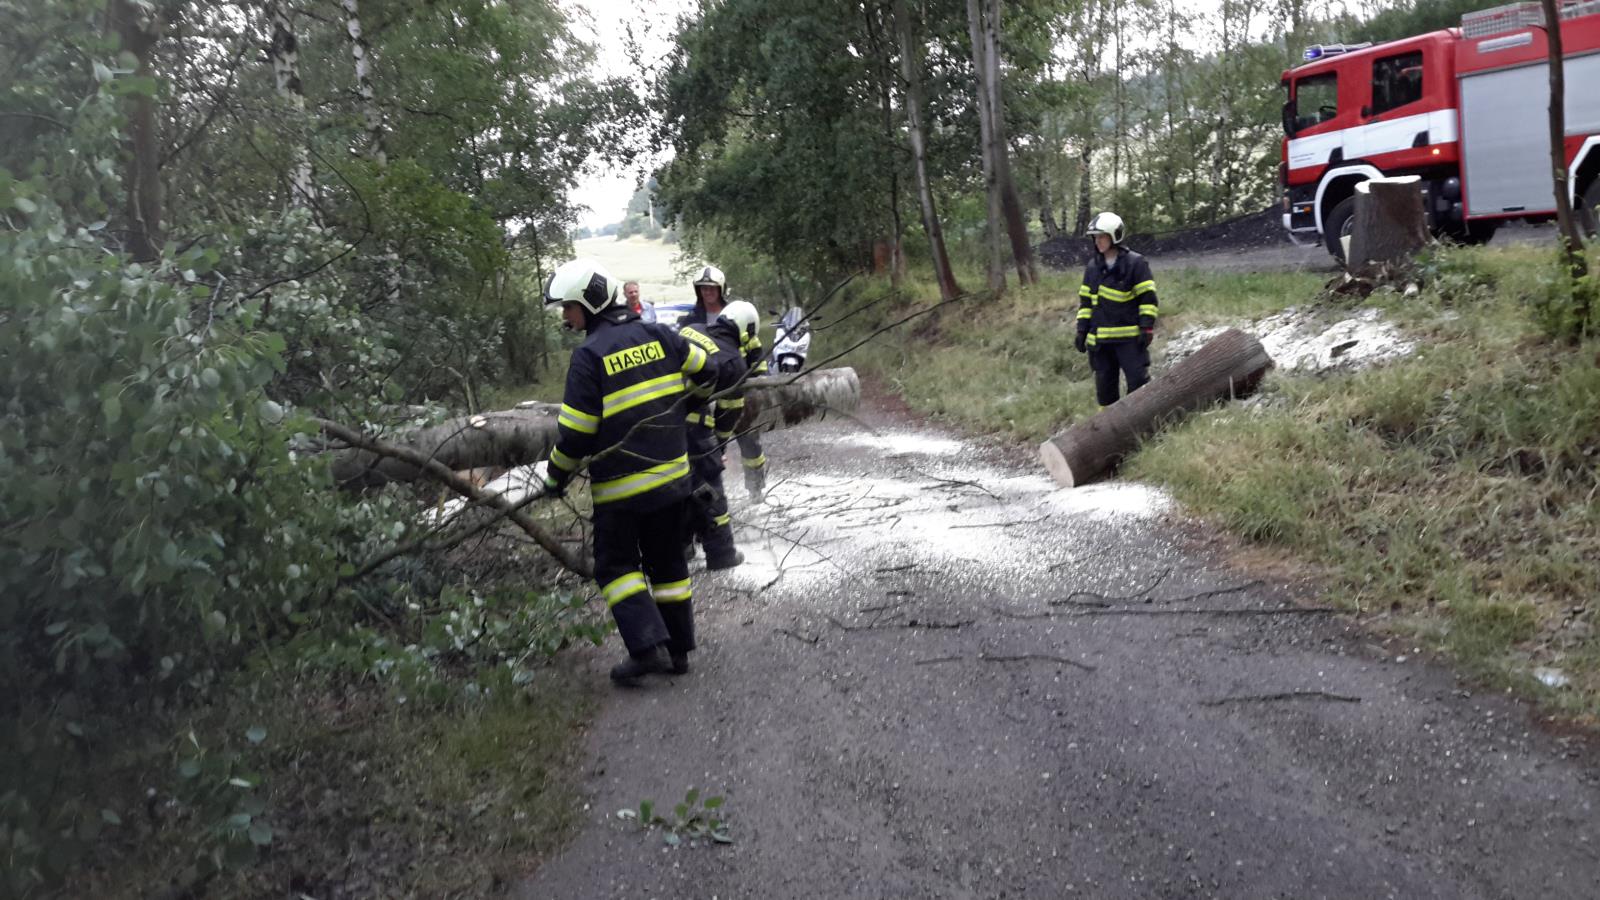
[1261, 229]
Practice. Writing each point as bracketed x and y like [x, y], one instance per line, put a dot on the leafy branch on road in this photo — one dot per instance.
[695, 820]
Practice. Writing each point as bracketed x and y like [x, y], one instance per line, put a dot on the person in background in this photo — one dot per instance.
[645, 311]
[1117, 311]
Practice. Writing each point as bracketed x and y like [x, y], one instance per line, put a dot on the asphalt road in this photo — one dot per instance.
[939, 677]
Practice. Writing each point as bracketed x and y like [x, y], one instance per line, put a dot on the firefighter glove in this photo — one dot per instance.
[1146, 335]
[553, 488]
[1081, 342]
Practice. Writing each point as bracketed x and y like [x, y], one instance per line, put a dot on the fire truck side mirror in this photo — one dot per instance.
[1288, 117]
[1366, 112]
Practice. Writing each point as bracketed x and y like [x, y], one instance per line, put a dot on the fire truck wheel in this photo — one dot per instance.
[1589, 209]
[1336, 225]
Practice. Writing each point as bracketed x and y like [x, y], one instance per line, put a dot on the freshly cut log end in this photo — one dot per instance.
[1231, 365]
[1055, 462]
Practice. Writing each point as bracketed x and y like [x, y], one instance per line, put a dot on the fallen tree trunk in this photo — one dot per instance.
[773, 402]
[1388, 226]
[1230, 365]
[523, 436]
[438, 471]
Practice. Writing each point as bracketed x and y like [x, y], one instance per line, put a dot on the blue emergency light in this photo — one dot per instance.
[1318, 51]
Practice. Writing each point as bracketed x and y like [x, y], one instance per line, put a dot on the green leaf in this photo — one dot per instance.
[681, 811]
[55, 628]
[110, 817]
[713, 802]
[112, 407]
[692, 796]
[672, 839]
[722, 836]
[25, 205]
[189, 768]
[260, 834]
[256, 734]
[647, 810]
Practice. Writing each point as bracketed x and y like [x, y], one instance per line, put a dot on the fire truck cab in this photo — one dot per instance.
[1463, 108]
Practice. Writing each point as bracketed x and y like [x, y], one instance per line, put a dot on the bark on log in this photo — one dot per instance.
[1230, 365]
[1388, 225]
[523, 436]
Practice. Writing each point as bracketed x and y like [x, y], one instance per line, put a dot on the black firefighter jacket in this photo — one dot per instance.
[624, 412]
[1116, 302]
[720, 341]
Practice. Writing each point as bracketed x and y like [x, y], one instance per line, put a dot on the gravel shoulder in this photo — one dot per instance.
[939, 677]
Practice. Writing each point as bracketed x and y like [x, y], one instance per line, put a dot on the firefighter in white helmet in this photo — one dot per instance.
[622, 416]
[1117, 311]
[710, 302]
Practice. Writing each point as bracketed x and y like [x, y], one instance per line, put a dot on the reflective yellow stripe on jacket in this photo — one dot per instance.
[643, 392]
[640, 482]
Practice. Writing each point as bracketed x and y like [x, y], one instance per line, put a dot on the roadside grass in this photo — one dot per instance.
[1452, 498]
[364, 793]
[1009, 366]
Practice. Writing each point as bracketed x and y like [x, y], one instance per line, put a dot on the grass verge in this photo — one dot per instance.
[1451, 497]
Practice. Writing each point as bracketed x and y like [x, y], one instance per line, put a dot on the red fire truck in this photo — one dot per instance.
[1466, 109]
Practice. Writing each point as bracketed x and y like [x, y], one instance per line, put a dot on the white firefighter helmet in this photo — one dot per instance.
[1107, 223]
[584, 282]
[712, 276]
[743, 314]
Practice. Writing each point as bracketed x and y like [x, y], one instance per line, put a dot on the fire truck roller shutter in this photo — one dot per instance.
[1505, 132]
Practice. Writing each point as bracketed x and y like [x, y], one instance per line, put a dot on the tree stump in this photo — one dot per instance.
[1388, 225]
[1230, 365]
[523, 436]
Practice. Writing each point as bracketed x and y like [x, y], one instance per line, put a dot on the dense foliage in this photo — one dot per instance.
[215, 225]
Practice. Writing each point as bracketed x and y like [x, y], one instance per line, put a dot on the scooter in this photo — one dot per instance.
[793, 341]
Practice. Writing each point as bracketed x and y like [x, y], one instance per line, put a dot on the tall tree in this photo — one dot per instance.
[911, 71]
[993, 257]
[1567, 227]
[137, 28]
[1010, 203]
[283, 49]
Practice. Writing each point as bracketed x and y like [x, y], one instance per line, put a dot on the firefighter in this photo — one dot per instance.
[623, 416]
[753, 460]
[711, 426]
[710, 299]
[1116, 311]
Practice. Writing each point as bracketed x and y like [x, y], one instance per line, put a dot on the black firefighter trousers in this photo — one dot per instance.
[708, 503]
[1110, 361]
[639, 564]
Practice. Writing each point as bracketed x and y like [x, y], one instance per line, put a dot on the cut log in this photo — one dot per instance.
[523, 436]
[784, 401]
[1230, 365]
[1388, 225]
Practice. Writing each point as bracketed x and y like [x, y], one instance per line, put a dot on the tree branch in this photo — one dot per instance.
[441, 473]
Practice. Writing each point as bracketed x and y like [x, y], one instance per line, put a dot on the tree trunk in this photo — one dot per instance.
[1571, 239]
[525, 435]
[1010, 203]
[361, 55]
[1230, 365]
[284, 50]
[1047, 203]
[138, 35]
[897, 262]
[1388, 225]
[994, 257]
[910, 70]
[1085, 156]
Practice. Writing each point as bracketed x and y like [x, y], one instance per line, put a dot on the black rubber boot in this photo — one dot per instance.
[680, 664]
[651, 662]
[726, 562]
